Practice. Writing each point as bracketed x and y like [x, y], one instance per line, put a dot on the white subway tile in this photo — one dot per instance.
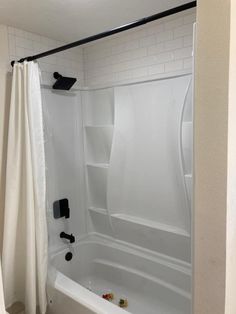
[12, 44]
[164, 36]
[118, 49]
[46, 78]
[155, 49]
[139, 72]
[154, 29]
[145, 61]
[129, 55]
[188, 63]
[190, 18]
[20, 33]
[183, 30]
[134, 44]
[137, 34]
[122, 66]
[147, 41]
[188, 40]
[174, 66]
[124, 75]
[163, 45]
[139, 53]
[156, 69]
[164, 57]
[28, 52]
[174, 23]
[183, 53]
[43, 66]
[24, 43]
[20, 52]
[173, 44]
[38, 47]
[33, 37]
[11, 30]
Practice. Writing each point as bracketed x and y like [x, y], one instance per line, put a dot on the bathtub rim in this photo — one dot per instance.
[83, 296]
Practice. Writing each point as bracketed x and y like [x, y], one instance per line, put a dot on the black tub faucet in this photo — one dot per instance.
[70, 237]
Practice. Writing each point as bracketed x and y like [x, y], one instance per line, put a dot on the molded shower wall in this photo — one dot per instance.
[138, 185]
[65, 163]
[156, 50]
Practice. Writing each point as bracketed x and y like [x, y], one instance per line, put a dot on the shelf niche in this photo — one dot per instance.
[98, 144]
[97, 186]
[98, 107]
[98, 111]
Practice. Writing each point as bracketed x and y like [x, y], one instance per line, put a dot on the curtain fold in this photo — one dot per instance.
[2, 302]
[24, 258]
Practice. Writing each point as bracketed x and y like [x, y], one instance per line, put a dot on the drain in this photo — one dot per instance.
[68, 256]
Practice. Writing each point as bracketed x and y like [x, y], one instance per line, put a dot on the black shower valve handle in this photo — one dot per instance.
[61, 209]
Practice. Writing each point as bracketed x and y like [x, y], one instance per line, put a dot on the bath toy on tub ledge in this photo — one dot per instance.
[108, 296]
[123, 303]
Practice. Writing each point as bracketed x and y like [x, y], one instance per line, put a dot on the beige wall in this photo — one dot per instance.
[230, 307]
[211, 118]
[4, 106]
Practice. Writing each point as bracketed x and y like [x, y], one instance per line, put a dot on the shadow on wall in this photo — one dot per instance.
[5, 92]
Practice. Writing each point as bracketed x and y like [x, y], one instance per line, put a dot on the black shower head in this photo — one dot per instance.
[62, 82]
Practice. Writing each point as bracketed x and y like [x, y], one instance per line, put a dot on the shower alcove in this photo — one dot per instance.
[128, 150]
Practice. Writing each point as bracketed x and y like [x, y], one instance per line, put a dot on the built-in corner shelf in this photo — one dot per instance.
[187, 143]
[100, 126]
[188, 176]
[98, 165]
[98, 210]
[149, 224]
[98, 142]
[98, 110]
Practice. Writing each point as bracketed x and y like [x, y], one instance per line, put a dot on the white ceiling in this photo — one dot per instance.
[69, 20]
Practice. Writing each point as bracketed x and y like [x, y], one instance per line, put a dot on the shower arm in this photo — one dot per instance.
[111, 32]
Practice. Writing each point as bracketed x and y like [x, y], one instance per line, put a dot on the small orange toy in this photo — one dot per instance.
[123, 303]
[108, 296]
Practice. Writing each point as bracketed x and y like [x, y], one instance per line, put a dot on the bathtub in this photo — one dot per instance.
[152, 283]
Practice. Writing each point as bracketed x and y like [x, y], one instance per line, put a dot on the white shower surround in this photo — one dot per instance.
[171, 244]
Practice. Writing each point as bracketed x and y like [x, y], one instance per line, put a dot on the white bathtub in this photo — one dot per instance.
[151, 282]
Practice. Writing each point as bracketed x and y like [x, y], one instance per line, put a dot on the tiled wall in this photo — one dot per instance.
[70, 62]
[159, 48]
[156, 49]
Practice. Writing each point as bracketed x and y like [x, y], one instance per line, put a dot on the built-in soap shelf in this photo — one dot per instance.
[97, 186]
[97, 165]
[188, 176]
[187, 144]
[140, 221]
[98, 111]
[100, 126]
[98, 107]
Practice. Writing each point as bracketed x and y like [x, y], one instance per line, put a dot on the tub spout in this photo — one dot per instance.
[70, 237]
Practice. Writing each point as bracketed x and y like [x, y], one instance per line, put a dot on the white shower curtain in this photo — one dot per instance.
[24, 256]
[2, 302]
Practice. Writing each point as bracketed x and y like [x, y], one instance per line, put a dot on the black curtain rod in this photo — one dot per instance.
[113, 31]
